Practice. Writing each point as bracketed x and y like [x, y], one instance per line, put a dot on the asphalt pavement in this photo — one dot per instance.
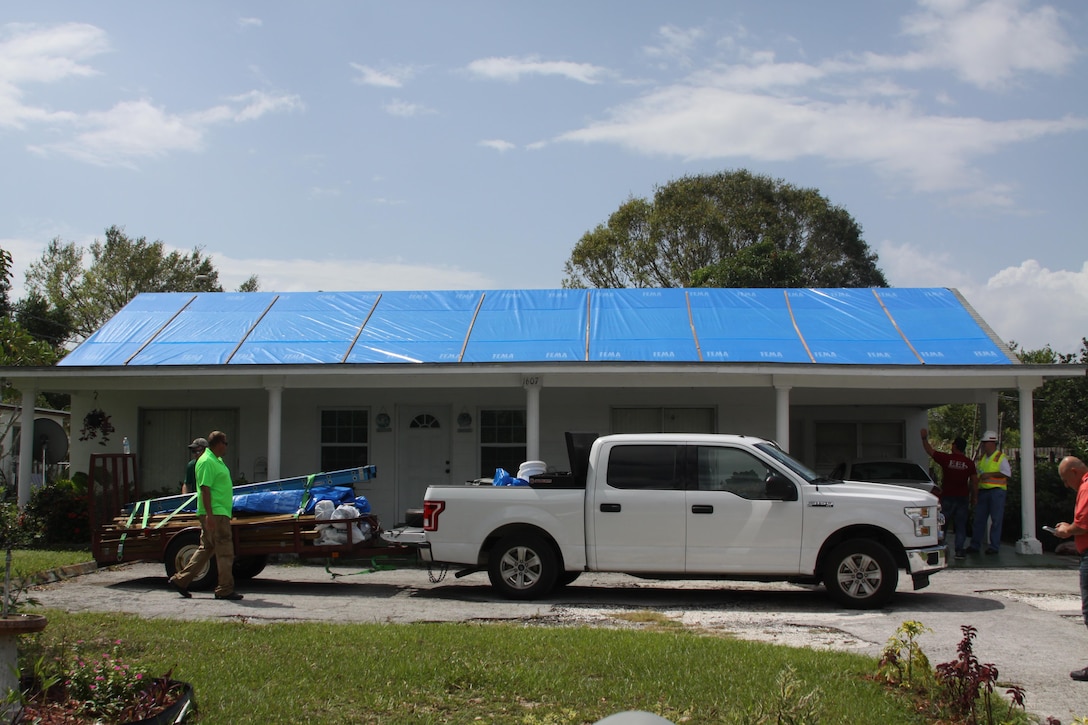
[1026, 610]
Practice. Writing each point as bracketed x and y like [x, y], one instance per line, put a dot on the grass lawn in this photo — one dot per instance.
[30, 561]
[465, 673]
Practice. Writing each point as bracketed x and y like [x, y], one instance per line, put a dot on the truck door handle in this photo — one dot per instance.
[610, 508]
[702, 509]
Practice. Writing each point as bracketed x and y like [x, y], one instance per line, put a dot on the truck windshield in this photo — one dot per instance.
[784, 458]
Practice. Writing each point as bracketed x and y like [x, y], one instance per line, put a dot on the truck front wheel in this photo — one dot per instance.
[522, 566]
[860, 574]
[178, 552]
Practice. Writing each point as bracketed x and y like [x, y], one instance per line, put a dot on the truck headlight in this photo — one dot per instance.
[921, 516]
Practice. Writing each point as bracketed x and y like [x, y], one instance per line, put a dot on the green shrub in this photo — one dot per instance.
[56, 515]
[1053, 503]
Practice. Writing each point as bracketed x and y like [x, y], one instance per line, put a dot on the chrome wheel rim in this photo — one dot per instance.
[860, 576]
[520, 567]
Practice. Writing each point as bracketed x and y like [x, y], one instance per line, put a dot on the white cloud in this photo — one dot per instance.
[135, 130]
[123, 134]
[1027, 304]
[29, 54]
[498, 145]
[390, 77]
[675, 44]
[302, 275]
[128, 131]
[259, 103]
[398, 107]
[704, 122]
[512, 69]
[250, 22]
[989, 43]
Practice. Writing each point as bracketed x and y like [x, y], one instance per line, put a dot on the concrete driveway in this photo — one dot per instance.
[1026, 610]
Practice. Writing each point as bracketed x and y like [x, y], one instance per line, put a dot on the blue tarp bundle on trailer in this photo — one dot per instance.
[881, 326]
[288, 502]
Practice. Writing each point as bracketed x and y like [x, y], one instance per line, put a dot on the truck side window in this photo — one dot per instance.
[644, 467]
[733, 470]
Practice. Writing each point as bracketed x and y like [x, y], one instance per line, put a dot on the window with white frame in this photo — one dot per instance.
[836, 441]
[502, 441]
[344, 439]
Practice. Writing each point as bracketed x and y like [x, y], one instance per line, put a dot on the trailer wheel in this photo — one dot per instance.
[178, 552]
[860, 574]
[247, 567]
[522, 566]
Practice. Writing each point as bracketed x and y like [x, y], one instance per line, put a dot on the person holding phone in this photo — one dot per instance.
[1075, 477]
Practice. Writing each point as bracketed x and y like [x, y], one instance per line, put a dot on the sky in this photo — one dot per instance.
[469, 145]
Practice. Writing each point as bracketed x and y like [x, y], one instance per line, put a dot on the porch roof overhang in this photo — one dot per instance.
[923, 386]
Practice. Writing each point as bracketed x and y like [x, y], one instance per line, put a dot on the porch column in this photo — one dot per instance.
[1028, 543]
[531, 383]
[275, 429]
[992, 414]
[26, 444]
[782, 416]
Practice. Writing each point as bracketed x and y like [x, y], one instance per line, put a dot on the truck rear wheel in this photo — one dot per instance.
[178, 552]
[522, 566]
[860, 574]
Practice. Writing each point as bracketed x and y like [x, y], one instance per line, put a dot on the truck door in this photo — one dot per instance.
[635, 522]
[732, 523]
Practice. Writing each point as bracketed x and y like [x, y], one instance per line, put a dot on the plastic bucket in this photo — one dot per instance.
[531, 468]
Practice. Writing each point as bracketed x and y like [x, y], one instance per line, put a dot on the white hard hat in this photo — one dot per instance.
[989, 437]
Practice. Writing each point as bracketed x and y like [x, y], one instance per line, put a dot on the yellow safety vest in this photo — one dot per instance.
[990, 464]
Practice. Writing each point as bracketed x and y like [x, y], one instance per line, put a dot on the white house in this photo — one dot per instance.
[437, 387]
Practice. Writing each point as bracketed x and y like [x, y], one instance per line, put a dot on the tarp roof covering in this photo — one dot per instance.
[885, 326]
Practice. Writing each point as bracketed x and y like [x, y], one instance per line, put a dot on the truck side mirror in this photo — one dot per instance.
[780, 488]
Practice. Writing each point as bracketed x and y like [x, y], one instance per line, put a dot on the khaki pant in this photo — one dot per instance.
[221, 546]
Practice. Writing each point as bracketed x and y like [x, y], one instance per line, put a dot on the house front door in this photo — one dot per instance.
[423, 458]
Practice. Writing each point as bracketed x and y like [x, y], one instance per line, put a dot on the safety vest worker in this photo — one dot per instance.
[994, 470]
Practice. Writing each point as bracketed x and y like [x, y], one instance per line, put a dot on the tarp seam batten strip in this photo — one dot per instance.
[691, 322]
[896, 325]
[156, 334]
[589, 321]
[359, 332]
[804, 343]
[471, 324]
[250, 330]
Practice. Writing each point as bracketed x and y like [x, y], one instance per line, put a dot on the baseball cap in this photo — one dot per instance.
[989, 437]
[198, 443]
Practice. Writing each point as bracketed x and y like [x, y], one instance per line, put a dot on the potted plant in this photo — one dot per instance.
[96, 423]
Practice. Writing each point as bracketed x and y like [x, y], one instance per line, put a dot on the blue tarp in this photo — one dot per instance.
[879, 326]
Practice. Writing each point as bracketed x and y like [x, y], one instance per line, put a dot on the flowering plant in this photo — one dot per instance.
[104, 686]
[96, 423]
[99, 689]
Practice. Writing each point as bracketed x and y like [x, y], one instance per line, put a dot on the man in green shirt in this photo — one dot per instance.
[214, 506]
[196, 450]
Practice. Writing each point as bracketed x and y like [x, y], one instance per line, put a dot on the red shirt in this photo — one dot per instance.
[1080, 515]
[957, 471]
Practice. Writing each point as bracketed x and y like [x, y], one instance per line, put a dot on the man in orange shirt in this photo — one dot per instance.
[1075, 476]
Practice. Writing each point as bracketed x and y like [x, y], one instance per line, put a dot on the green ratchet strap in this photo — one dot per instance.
[305, 495]
[128, 524]
[176, 511]
[374, 567]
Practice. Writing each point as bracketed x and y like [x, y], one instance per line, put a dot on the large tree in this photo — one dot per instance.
[118, 269]
[732, 229]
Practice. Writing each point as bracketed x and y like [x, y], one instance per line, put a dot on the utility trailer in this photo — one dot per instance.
[166, 529]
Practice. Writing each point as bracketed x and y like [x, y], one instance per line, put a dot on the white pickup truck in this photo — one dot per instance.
[679, 506]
